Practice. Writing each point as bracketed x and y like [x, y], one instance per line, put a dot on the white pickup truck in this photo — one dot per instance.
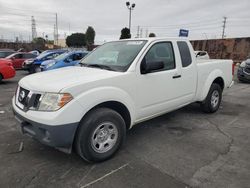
[91, 106]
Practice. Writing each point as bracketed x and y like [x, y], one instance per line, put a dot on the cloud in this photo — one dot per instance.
[164, 17]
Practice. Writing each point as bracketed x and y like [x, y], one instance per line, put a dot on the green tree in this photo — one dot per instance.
[90, 36]
[38, 43]
[76, 40]
[152, 35]
[125, 33]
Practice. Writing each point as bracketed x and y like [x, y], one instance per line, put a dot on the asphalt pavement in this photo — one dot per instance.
[184, 148]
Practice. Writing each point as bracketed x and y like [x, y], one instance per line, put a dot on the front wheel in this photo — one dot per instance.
[34, 69]
[212, 102]
[100, 135]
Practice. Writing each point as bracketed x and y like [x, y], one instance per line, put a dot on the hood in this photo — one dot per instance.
[48, 62]
[58, 79]
[4, 60]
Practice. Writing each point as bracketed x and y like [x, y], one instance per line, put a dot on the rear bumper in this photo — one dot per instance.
[60, 137]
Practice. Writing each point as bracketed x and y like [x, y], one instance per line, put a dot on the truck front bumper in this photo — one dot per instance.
[60, 137]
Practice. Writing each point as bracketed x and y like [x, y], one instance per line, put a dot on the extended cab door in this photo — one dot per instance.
[189, 72]
[162, 90]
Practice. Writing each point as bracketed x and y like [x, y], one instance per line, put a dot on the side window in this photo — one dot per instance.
[18, 56]
[55, 55]
[28, 56]
[186, 58]
[71, 57]
[77, 57]
[51, 56]
[162, 52]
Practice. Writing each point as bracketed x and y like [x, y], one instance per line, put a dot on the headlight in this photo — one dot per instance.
[243, 64]
[50, 65]
[54, 101]
[27, 62]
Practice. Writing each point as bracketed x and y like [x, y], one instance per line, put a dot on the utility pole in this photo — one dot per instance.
[146, 34]
[224, 27]
[33, 28]
[141, 31]
[69, 28]
[56, 31]
[138, 32]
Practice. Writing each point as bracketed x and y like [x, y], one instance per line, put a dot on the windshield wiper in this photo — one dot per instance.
[98, 66]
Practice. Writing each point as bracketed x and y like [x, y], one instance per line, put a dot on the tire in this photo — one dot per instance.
[1, 78]
[104, 126]
[30, 70]
[34, 69]
[37, 69]
[212, 102]
[240, 80]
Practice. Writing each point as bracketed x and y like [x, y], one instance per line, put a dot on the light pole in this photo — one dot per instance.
[130, 8]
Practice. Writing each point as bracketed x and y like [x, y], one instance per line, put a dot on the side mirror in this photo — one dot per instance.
[151, 66]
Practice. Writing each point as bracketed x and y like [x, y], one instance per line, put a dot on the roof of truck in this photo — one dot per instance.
[158, 38]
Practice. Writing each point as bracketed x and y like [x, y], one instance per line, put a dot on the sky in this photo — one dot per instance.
[203, 18]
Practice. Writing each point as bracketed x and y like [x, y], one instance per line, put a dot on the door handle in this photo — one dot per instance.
[176, 76]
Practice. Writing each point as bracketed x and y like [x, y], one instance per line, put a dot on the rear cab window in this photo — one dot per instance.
[185, 54]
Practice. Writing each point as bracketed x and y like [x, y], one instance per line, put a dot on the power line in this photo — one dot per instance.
[26, 10]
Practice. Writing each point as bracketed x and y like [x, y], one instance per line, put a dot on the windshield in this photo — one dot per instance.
[10, 56]
[62, 56]
[116, 56]
[5, 54]
[42, 55]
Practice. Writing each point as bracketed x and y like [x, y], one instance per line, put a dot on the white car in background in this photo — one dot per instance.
[201, 55]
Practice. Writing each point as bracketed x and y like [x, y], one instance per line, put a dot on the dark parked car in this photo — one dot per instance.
[244, 71]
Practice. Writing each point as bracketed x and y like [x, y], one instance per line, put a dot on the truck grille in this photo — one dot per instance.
[23, 96]
[26, 99]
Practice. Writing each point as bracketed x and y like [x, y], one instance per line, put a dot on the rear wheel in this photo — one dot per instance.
[212, 102]
[1, 78]
[100, 135]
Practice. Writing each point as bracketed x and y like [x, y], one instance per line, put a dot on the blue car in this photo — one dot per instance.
[64, 60]
[33, 65]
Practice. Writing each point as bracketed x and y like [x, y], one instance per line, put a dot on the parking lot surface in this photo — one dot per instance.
[184, 148]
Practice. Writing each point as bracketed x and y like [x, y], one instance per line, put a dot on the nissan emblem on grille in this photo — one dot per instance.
[21, 96]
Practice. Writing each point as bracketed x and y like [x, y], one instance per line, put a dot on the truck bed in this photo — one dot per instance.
[206, 69]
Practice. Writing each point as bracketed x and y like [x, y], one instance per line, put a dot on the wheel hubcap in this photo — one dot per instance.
[215, 99]
[104, 137]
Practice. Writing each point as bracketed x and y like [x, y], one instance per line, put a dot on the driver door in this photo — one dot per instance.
[158, 91]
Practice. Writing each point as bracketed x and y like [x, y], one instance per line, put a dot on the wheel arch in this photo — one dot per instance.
[220, 81]
[114, 105]
[215, 77]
